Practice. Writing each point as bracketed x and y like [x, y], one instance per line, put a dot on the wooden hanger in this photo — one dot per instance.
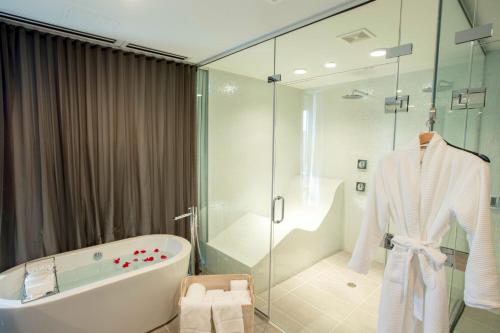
[425, 138]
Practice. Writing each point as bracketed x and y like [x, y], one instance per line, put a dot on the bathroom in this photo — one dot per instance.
[266, 158]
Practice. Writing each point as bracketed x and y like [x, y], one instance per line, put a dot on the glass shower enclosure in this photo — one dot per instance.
[468, 116]
[291, 131]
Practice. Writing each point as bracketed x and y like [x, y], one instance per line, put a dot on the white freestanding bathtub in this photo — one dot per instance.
[136, 298]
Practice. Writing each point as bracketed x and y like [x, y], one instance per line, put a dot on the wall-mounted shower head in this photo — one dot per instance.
[355, 94]
[442, 85]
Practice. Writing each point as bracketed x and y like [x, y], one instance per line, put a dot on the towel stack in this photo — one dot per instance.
[225, 305]
[40, 279]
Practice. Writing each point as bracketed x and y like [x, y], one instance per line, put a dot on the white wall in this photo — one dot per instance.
[240, 137]
[348, 130]
[240, 146]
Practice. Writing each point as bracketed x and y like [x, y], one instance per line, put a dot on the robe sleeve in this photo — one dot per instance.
[373, 226]
[472, 210]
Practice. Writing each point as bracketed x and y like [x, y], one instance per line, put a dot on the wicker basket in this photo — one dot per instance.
[223, 282]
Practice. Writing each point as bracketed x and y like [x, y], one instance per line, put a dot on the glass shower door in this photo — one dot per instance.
[331, 130]
[481, 134]
[471, 123]
[239, 166]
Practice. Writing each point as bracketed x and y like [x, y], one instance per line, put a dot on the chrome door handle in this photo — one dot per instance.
[273, 213]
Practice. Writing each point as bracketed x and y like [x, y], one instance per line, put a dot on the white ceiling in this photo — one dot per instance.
[312, 46]
[198, 29]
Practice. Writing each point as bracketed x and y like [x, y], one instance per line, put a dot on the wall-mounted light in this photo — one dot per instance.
[299, 71]
[330, 65]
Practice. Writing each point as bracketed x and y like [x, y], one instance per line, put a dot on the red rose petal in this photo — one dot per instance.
[151, 258]
[136, 252]
[163, 257]
[156, 250]
[126, 264]
[143, 251]
[116, 261]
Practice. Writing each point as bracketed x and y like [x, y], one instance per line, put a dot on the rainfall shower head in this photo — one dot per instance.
[355, 94]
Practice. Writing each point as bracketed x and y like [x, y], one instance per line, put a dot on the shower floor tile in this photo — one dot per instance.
[319, 299]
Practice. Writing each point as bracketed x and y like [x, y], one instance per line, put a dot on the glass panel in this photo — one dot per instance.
[240, 126]
[453, 74]
[416, 71]
[471, 126]
[482, 135]
[202, 151]
[319, 166]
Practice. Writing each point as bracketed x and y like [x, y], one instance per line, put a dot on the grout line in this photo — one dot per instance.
[304, 281]
[357, 307]
[318, 273]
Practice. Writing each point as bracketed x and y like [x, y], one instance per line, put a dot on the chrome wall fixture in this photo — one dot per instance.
[454, 258]
[397, 103]
[473, 34]
[471, 98]
[399, 51]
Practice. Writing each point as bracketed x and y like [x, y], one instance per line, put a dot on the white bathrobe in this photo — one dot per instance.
[421, 196]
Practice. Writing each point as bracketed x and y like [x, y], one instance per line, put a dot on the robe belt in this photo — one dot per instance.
[430, 259]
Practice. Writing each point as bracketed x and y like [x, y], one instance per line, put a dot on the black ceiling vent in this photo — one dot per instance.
[56, 28]
[154, 51]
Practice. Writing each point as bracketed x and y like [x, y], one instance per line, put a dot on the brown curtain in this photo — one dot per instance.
[95, 144]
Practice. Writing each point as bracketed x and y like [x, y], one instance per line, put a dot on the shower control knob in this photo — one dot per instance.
[360, 186]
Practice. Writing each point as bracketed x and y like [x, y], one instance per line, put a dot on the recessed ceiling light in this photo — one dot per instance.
[299, 71]
[378, 53]
[330, 65]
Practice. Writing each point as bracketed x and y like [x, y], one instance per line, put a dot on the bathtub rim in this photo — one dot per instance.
[6, 304]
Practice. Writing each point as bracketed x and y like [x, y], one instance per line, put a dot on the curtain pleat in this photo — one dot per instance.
[96, 145]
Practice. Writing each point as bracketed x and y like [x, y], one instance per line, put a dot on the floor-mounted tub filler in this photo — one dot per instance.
[130, 285]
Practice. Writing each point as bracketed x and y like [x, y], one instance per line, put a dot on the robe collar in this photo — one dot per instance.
[436, 140]
[417, 175]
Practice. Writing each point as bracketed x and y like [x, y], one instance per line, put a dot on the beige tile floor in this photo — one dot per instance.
[319, 299]
[478, 321]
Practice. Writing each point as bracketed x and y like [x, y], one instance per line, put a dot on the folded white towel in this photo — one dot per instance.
[228, 317]
[216, 295]
[196, 291]
[241, 296]
[195, 316]
[239, 284]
